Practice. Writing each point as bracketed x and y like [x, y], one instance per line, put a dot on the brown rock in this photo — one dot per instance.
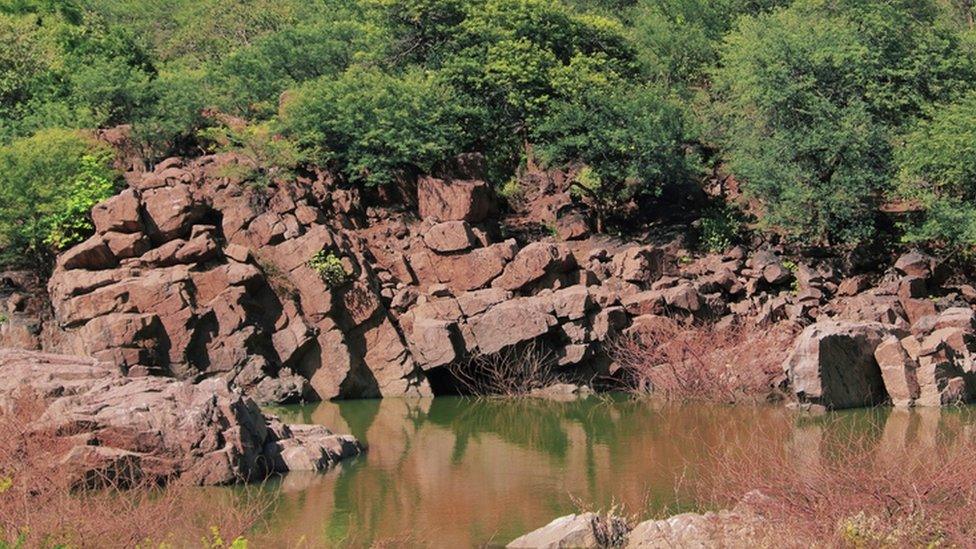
[92, 254]
[572, 227]
[853, 285]
[435, 342]
[532, 263]
[639, 264]
[172, 211]
[898, 370]
[126, 245]
[916, 264]
[450, 236]
[203, 434]
[833, 364]
[572, 303]
[118, 214]
[453, 200]
[509, 323]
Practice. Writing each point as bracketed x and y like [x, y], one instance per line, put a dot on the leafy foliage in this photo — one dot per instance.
[937, 167]
[329, 266]
[808, 97]
[48, 184]
[373, 126]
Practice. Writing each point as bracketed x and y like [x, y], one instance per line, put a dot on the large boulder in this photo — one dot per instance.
[510, 323]
[574, 531]
[833, 364]
[205, 433]
[453, 200]
[532, 263]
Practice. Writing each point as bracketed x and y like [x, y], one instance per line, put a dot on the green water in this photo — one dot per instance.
[453, 472]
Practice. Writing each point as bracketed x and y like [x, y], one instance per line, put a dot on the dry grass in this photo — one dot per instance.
[703, 363]
[42, 504]
[851, 491]
[511, 372]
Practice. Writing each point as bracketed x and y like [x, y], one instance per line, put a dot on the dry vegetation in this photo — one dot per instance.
[847, 489]
[43, 505]
[511, 372]
[703, 362]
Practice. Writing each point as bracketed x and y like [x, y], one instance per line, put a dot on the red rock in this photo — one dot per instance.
[833, 364]
[532, 263]
[126, 245]
[435, 342]
[118, 214]
[639, 264]
[453, 200]
[572, 227]
[450, 236]
[898, 371]
[202, 433]
[853, 285]
[916, 264]
[509, 323]
[92, 254]
[172, 211]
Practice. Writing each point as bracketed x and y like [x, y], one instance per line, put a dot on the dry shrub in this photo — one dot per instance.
[703, 362]
[43, 505]
[850, 491]
[510, 372]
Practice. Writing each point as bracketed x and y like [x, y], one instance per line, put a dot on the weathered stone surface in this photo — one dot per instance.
[833, 364]
[435, 342]
[898, 371]
[571, 531]
[510, 323]
[118, 214]
[126, 245]
[916, 264]
[199, 433]
[572, 303]
[692, 530]
[92, 254]
[450, 236]
[172, 211]
[453, 200]
[532, 263]
[639, 264]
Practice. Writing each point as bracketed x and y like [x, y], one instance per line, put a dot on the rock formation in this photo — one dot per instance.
[161, 428]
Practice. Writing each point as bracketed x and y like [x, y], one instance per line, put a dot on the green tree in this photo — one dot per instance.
[48, 184]
[937, 168]
[372, 126]
[808, 97]
[628, 141]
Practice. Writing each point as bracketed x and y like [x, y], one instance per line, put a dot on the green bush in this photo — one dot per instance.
[937, 168]
[266, 157]
[807, 99]
[329, 266]
[373, 126]
[48, 184]
[628, 139]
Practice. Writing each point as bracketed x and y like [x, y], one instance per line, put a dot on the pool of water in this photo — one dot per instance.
[455, 472]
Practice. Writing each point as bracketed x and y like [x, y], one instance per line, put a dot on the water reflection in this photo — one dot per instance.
[452, 472]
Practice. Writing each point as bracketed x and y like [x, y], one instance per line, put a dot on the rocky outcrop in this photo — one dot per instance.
[909, 340]
[157, 427]
[738, 527]
[833, 365]
[195, 276]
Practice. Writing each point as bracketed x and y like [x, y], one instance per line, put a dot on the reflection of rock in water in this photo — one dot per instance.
[459, 472]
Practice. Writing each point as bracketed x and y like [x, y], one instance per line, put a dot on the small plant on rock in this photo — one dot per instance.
[3, 320]
[329, 266]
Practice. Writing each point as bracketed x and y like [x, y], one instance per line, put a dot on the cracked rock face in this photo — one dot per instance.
[200, 433]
